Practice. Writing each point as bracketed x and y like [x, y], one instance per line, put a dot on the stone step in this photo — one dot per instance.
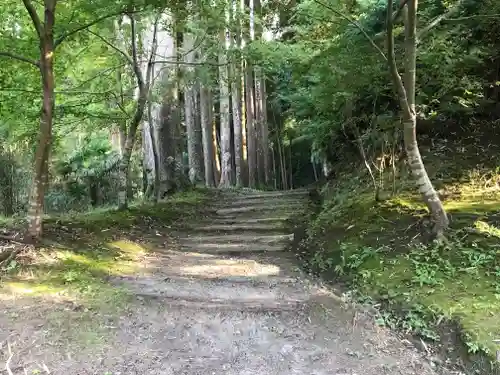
[250, 239]
[219, 306]
[265, 202]
[276, 193]
[236, 227]
[206, 292]
[261, 209]
[231, 249]
[235, 219]
[254, 281]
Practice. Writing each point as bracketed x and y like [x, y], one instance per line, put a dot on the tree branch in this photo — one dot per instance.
[34, 17]
[436, 21]
[84, 27]
[497, 15]
[356, 24]
[20, 58]
[135, 60]
[123, 53]
[154, 47]
[398, 83]
[398, 12]
[174, 62]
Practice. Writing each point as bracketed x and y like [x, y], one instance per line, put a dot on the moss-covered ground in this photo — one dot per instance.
[381, 251]
[81, 251]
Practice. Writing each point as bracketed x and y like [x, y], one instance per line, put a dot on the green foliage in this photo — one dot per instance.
[326, 71]
[381, 251]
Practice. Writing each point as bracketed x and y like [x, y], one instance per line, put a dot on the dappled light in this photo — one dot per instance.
[223, 267]
[250, 187]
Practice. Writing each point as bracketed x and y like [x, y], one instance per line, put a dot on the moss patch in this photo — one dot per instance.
[380, 249]
[83, 250]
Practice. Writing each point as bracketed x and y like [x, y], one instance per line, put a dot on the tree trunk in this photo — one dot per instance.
[143, 89]
[261, 126]
[206, 129]
[190, 112]
[265, 132]
[168, 121]
[36, 202]
[250, 125]
[235, 43]
[225, 127]
[406, 94]
[238, 142]
[154, 148]
[123, 169]
[197, 122]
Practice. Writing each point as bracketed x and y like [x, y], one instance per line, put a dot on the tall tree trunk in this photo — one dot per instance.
[238, 142]
[225, 127]
[168, 123]
[194, 148]
[250, 103]
[206, 129]
[197, 122]
[36, 202]
[259, 126]
[143, 93]
[406, 94]
[235, 42]
[154, 143]
[250, 125]
[260, 116]
[265, 132]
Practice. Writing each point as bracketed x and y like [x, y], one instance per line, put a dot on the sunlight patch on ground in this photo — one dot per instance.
[473, 205]
[487, 229]
[129, 247]
[225, 267]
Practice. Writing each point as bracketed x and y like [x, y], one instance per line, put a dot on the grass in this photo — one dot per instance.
[63, 289]
[82, 250]
[380, 250]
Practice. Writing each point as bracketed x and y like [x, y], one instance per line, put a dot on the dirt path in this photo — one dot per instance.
[229, 300]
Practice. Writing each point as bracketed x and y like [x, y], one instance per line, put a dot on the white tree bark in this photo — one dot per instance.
[193, 137]
[236, 104]
[206, 129]
[406, 94]
[225, 126]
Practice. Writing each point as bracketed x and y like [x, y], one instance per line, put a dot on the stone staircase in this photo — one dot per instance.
[227, 298]
[246, 223]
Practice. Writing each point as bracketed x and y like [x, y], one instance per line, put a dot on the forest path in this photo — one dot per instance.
[229, 299]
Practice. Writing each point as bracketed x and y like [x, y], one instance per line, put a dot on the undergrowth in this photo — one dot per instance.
[82, 250]
[382, 252]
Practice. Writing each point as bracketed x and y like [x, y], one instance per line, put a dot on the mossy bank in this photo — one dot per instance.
[447, 294]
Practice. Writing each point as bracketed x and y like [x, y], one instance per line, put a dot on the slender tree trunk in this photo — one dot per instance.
[406, 94]
[225, 142]
[168, 122]
[194, 148]
[143, 88]
[197, 122]
[261, 126]
[36, 202]
[250, 125]
[275, 180]
[235, 41]
[265, 132]
[154, 148]
[238, 143]
[206, 130]
[290, 164]
[258, 126]
[216, 159]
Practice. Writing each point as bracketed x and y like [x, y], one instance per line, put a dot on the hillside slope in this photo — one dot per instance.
[382, 252]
